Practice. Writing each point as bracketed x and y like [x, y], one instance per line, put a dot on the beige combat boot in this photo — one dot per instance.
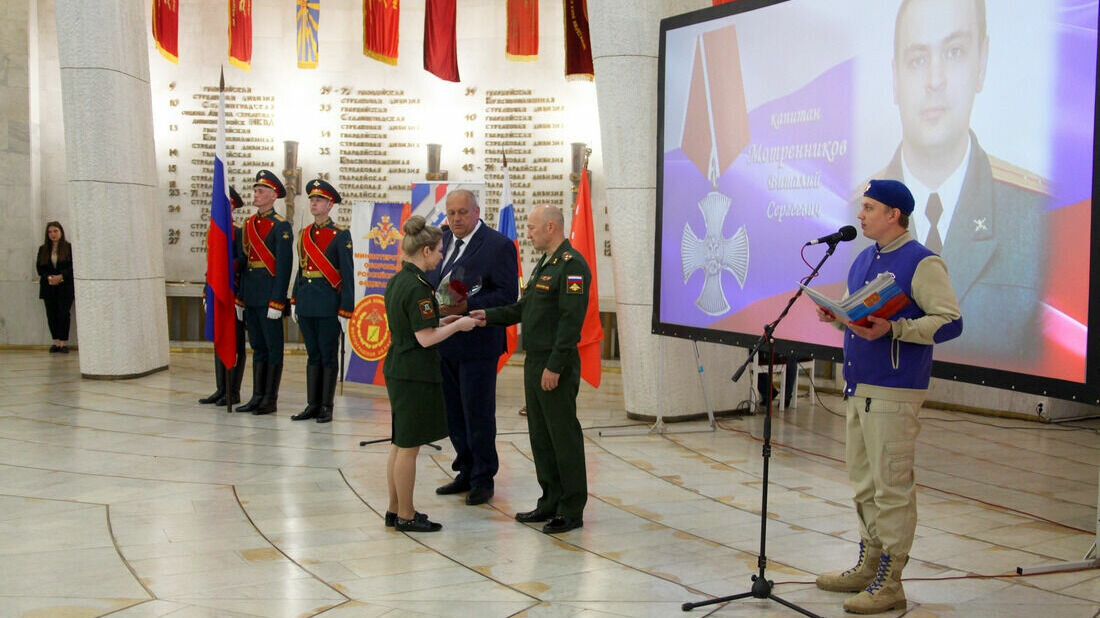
[856, 578]
[885, 592]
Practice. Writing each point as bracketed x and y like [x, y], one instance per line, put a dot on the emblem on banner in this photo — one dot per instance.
[384, 233]
[368, 330]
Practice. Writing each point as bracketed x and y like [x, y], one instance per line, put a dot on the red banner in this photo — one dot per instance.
[440, 52]
[578, 46]
[583, 238]
[166, 28]
[240, 34]
[523, 30]
[380, 29]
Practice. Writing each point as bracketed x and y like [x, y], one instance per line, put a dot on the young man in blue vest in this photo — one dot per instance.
[887, 367]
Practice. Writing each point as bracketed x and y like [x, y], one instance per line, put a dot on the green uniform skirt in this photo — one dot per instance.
[418, 413]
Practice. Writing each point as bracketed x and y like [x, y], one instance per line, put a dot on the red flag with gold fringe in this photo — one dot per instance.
[578, 45]
[240, 34]
[523, 31]
[166, 28]
[440, 48]
[381, 19]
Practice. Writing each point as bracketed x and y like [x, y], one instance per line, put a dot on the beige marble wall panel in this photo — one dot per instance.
[21, 321]
[631, 213]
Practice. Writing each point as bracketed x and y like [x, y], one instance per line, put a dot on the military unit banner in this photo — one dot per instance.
[240, 34]
[166, 26]
[381, 19]
[578, 46]
[440, 47]
[376, 233]
[308, 17]
[523, 30]
[381, 33]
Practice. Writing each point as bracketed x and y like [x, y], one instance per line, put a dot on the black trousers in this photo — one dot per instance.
[264, 335]
[470, 399]
[59, 316]
[322, 339]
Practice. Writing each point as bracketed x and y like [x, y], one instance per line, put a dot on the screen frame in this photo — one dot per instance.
[1086, 392]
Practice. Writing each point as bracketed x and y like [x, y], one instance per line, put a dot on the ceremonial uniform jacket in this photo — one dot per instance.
[411, 307]
[552, 308]
[267, 263]
[325, 285]
[995, 253]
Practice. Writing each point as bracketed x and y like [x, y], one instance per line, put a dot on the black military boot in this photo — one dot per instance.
[328, 393]
[233, 385]
[271, 391]
[219, 380]
[313, 394]
[259, 375]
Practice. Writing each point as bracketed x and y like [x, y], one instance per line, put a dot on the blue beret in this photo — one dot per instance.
[892, 193]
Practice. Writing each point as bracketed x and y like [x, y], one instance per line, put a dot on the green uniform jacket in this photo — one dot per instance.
[411, 307]
[552, 307]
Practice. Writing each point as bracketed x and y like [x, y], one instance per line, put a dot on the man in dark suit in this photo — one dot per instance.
[982, 215]
[485, 261]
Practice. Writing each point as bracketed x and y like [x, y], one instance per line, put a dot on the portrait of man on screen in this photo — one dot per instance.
[984, 216]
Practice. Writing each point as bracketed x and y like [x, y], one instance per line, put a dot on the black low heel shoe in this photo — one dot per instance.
[391, 518]
[416, 525]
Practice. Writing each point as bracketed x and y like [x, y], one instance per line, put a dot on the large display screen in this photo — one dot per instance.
[773, 115]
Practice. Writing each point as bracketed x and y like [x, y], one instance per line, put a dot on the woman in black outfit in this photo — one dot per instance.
[55, 284]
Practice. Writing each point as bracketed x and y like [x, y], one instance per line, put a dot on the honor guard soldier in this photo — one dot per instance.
[230, 386]
[323, 298]
[266, 245]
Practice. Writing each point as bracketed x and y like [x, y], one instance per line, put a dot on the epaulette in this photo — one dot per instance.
[279, 217]
[567, 256]
[1016, 176]
[339, 227]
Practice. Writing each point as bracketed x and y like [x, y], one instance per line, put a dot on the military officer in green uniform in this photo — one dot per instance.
[552, 311]
[323, 298]
[414, 381]
[267, 246]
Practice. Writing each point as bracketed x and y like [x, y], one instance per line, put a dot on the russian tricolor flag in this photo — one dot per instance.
[221, 327]
[506, 224]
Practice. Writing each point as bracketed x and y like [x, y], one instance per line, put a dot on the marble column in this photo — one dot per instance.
[118, 254]
[659, 373]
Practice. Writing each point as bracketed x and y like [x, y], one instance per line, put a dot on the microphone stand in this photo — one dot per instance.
[761, 586]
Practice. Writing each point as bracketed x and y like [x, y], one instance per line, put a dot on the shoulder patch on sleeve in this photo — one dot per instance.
[574, 284]
[426, 309]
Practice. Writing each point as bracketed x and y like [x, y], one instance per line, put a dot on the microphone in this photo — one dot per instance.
[845, 234]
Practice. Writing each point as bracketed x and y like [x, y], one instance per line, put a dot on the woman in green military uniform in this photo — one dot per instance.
[413, 378]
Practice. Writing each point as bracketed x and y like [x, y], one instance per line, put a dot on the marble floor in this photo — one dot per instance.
[129, 499]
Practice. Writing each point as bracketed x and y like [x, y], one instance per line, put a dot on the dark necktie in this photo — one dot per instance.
[934, 210]
[451, 260]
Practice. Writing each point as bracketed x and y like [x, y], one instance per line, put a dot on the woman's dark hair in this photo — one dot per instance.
[418, 234]
[64, 249]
